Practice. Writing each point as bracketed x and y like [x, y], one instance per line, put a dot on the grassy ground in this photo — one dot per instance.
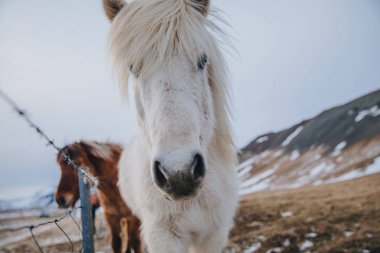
[342, 217]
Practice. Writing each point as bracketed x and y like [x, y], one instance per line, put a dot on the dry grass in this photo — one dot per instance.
[327, 210]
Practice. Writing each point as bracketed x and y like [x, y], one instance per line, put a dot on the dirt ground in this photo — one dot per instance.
[342, 217]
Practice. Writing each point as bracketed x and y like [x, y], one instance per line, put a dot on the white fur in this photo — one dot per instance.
[181, 111]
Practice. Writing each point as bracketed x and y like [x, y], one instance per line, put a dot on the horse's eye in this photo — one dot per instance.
[131, 70]
[202, 62]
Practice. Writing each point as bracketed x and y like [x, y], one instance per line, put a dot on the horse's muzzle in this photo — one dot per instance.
[61, 202]
[180, 184]
[65, 200]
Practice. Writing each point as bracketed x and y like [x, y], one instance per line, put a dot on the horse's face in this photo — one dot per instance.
[67, 193]
[166, 46]
[175, 109]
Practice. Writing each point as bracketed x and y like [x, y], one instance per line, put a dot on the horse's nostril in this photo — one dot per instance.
[159, 174]
[61, 201]
[199, 168]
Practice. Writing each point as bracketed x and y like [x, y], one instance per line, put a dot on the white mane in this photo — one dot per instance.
[147, 33]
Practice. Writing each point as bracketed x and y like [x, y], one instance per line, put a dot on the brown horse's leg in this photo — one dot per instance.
[128, 250]
[134, 241]
[135, 245]
[116, 242]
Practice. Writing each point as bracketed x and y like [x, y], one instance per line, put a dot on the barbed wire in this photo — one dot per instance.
[93, 181]
[68, 212]
[88, 179]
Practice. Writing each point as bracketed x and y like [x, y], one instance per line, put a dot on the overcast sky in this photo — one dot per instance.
[296, 58]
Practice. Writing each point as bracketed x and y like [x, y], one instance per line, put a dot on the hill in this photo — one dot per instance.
[339, 144]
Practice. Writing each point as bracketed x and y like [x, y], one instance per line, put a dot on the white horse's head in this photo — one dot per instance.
[168, 48]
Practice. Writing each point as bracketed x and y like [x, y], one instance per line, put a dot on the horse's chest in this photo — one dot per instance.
[192, 223]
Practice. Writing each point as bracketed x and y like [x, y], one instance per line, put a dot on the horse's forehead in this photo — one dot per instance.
[178, 71]
[74, 151]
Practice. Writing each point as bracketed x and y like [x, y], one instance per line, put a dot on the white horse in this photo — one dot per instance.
[178, 173]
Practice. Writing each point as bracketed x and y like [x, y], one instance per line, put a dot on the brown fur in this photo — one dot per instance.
[203, 6]
[102, 161]
[128, 227]
[112, 8]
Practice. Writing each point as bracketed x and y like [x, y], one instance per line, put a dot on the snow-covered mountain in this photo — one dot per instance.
[41, 199]
[338, 144]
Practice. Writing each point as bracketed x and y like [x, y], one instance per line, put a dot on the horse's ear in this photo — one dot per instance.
[202, 6]
[112, 7]
[71, 150]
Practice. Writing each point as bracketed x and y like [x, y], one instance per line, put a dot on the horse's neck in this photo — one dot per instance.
[107, 175]
[109, 195]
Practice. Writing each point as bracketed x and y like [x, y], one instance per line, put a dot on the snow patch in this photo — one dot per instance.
[264, 154]
[257, 178]
[256, 183]
[374, 111]
[254, 247]
[348, 233]
[249, 162]
[371, 169]
[292, 136]
[286, 214]
[262, 139]
[321, 168]
[255, 187]
[244, 171]
[262, 238]
[246, 163]
[278, 153]
[311, 235]
[295, 154]
[374, 167]
[338, 148]
[286, 243]
[306, 244]
[276, 250]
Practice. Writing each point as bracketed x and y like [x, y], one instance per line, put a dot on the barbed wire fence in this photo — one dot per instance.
[86, 181]
[53, 221]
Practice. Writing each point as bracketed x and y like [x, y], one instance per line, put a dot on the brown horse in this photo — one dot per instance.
[102, 161]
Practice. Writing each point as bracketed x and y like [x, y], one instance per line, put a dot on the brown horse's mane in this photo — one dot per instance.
[94, 155]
